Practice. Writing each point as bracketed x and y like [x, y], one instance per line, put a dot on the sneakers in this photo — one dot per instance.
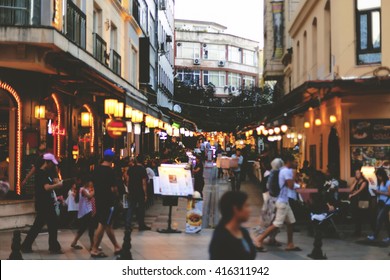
[371, 237]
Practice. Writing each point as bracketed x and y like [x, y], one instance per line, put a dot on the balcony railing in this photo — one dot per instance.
[15, 12]
[115, 62]
[75, 24]
[99, 48]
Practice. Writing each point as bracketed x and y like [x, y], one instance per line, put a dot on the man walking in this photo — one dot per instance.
[46, 181]
[236, 181]
[138, 194]
[284, 213]
[105, 186]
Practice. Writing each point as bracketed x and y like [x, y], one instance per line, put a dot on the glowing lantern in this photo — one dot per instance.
[306, 125]
[318, 122]
[86, 119]
[40, 112]
[284, 128]
[128, 111]
[333, 119]
[110, 106]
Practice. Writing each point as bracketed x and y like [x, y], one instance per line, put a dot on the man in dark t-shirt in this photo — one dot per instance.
[45, 184]
[105, 185]
[138, 195]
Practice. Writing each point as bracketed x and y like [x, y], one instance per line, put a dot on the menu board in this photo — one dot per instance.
[374, 131]
[377, 156]
[173, 180]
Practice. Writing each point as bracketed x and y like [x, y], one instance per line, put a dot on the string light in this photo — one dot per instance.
[18, 162]
[59, 121]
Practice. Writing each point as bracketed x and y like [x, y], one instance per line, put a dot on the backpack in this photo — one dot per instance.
[273, 183]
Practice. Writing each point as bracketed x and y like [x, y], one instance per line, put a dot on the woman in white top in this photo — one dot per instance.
[73, 206]
[151, 175]
[85, 214]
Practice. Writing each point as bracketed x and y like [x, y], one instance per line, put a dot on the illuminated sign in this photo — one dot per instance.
[163, 135]
[116, 129]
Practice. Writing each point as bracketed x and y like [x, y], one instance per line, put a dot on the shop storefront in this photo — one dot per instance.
[339, 125]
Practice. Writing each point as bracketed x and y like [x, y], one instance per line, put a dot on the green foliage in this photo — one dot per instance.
[214, 113]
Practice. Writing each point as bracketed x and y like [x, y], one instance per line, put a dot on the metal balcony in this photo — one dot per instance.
[99, 49]
[115, 62]
[15, 12]
[75, 24]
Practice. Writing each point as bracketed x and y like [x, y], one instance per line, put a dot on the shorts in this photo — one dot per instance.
[105, 215]
[284, 214]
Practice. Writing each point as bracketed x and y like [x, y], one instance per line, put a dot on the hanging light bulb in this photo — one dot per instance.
[306, 125]
[284, 128]
[318, 122]
[300, 136]
[270, 131]
[333, 119]
[265, 132]
[277, 130]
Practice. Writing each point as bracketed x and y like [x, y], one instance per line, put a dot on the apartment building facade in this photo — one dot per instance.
[206, 55]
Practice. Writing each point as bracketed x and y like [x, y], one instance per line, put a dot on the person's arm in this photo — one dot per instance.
[54, 186]
[87, 194]
[28, 176]
[290, 182]
[145, 187]
[196, 170]
[385, 193]
[352, 187]
[362, 187]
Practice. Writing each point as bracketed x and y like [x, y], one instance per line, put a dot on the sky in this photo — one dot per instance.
[242, 18]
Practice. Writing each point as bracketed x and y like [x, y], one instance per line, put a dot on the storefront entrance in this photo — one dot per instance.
[9, 143]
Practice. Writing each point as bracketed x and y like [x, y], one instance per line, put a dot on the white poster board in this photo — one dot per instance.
[173, 180]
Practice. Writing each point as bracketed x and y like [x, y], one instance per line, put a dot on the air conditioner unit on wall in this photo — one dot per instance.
[221, 63]
[163, 5]
[196, 61]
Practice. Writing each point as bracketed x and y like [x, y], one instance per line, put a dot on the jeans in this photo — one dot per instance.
[236, 181]
[139, 208]
[48, 217]
[383, 219]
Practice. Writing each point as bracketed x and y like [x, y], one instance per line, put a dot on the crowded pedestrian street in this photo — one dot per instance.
[195, 130]
[151, 245]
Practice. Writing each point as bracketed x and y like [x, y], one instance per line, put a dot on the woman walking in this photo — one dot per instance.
[86, 214]
[230, 240]
[383, 193]
[198, 175]
[360, 200]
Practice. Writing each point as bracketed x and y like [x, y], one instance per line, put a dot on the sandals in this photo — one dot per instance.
[77, 247]
[99, 255]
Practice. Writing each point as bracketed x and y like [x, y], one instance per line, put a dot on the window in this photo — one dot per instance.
[235, 80]
[214, 52]
[133, 66]
[188, 50]
[189, 77]
[314, 49]
[368, 24]
[216, 78]
[235, 54]
[249, 81]
[249, 58]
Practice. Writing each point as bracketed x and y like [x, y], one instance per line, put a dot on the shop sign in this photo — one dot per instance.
[116, 129]
[163, 135]
[374, 131]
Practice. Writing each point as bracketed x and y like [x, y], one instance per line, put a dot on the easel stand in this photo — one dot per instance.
[169, 201]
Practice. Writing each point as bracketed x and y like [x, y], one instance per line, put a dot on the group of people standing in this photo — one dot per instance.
[92, 197]
[281, 182]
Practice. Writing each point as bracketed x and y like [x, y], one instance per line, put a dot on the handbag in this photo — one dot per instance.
[364, 204]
